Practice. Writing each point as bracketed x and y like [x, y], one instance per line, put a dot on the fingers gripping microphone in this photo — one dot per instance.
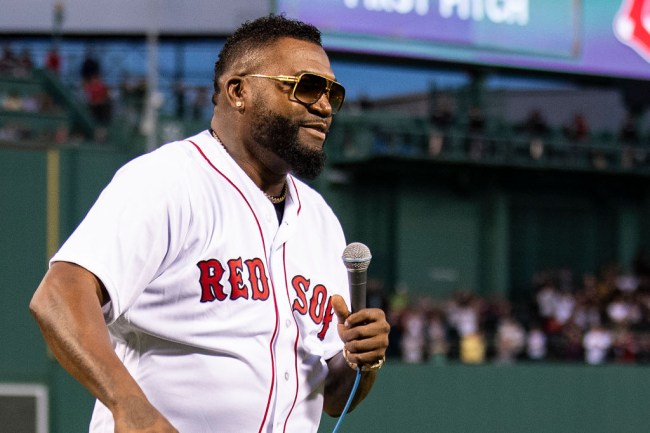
[356, 258]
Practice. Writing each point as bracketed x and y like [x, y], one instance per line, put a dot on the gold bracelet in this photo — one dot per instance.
[374, 367]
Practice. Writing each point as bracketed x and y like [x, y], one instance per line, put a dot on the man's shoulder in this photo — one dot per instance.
[167, 159]
[170, 166]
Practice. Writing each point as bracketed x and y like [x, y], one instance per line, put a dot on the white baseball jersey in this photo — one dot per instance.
[221, 314]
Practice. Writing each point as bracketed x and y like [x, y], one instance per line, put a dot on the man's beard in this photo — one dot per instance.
[280, 135]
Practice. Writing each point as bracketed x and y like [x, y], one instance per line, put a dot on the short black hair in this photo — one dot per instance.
[259, 33]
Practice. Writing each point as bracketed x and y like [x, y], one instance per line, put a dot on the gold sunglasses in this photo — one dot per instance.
[309, 87]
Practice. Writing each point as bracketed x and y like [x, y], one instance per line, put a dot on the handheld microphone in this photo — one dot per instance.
[356, 258]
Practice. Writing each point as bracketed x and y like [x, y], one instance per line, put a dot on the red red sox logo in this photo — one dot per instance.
[632, 26]
[247, 280]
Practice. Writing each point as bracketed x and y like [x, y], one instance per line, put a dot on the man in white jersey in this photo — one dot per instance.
[205, 291]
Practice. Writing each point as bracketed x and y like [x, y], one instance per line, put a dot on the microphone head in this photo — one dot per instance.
[356, 257]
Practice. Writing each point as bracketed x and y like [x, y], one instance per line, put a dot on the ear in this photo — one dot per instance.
[235, 92]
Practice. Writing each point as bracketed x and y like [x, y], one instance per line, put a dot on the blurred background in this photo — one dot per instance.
[494, 156]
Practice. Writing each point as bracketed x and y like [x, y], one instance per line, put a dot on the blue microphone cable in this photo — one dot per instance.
[349, 402]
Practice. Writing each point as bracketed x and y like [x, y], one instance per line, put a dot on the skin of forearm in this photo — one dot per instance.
[339, 385]
[67, 308]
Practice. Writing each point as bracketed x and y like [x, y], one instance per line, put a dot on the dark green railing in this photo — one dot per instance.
[361, 137]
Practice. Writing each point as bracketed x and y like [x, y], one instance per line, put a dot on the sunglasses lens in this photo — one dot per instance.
[311, 87]
[337, 95]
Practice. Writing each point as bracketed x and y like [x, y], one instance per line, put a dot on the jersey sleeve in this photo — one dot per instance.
[136, 223]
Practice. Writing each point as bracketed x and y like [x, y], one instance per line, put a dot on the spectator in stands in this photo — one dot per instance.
[536, 343]
[571, 344]
[473, 348]
[536, 131]
[586, 312]
[440, 122]
[627, 282]
[578, 129]
[534, 124]
[546, 297]
[623, 311]
[597, 343]
[476, 143]
[564, 307]
[24, 64]
[510, 339]
[413, 342]
[13, 101]
[53, 60]
[629, 133]
[624, 346]
[99, 102]
[90, 67]
[31, 103]
[437, 331]
[8, 60]
[464, 313]
[132, 96]
[577, 132]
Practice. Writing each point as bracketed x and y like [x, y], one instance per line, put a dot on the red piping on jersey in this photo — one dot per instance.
[295, 344]
[295, 188]
[275, 301]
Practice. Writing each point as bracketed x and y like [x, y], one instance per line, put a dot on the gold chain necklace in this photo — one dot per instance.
[275, 199]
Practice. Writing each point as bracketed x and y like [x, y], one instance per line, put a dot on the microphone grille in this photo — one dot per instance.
[356, 257]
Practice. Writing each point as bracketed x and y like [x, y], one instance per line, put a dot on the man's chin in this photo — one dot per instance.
[309, 167]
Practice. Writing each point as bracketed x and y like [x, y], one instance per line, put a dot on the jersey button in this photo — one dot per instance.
[288, 323]
[286, 375]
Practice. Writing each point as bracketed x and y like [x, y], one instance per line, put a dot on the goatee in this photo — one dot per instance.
[279, 134]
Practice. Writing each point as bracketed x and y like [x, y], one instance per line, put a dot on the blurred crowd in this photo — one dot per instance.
[13, 100]
[592, 318]
[574, 141]
[16, 64]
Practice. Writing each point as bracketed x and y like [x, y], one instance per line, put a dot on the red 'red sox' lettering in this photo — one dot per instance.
[211, 287]
[259, 283]
[300, 285]
[319, 305]
[237, 287]
[256, 286]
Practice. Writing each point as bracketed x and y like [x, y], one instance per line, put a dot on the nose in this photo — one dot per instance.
[322, 105]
